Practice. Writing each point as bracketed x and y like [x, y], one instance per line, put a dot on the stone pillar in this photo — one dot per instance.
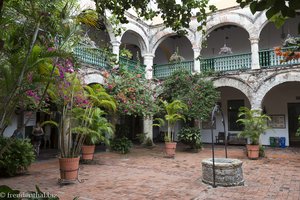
[196, 61]
[254, 53]
[148, 61]
[148, 127]
[116, 48]
[256, 101]
[148, 121]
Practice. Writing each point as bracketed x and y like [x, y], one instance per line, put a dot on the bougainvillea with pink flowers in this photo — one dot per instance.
[134, 94]
[67, 88]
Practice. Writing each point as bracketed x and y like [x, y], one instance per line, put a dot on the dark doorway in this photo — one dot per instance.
[293, 114]
[233, 111]
[130, 126]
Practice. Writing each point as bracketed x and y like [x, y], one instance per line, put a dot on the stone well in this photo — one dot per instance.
[228, 172]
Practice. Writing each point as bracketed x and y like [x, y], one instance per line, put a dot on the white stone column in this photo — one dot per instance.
[116, 48]
[254, 53]
[196, 61]
[148, 61]
[256, 103]
[148, 121]
[148, 127]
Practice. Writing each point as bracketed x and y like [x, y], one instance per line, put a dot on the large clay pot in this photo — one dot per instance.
[170, 149]
[69, 168]
[253, 151]
[88, 152]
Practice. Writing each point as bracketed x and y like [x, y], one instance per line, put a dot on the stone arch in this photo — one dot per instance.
[234, 83]
[161, 35]
[221, 19]
[261, 23]
[93, 78]
[140, 33]
[273, 81]
[110, 31]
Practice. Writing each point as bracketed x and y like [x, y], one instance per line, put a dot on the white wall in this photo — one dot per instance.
[169, 46]
[130, 41]
[227, 93]
[238, 41]
[267, 42]
[100, 37]
[275, 102]
[177, 128]
[12, 127]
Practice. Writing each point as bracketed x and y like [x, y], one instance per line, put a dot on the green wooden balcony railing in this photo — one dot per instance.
[226, 63]
[165, 70]
[97, 58]
[92, 56]
[132, 65]
[268, 59]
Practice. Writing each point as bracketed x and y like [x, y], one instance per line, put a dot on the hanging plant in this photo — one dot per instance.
[175, 57]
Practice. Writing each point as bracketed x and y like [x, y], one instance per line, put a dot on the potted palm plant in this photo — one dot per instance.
[81, 115]
[93, 128]
[255, 124]
[92, 122]
[174, 113]
[67, 92]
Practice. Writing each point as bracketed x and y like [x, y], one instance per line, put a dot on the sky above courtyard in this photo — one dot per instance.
[220, 4]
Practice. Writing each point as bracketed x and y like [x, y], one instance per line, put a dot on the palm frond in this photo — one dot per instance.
[160, 122]
[49, 122]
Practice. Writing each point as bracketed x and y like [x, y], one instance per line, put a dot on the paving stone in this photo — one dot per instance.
[146, 174]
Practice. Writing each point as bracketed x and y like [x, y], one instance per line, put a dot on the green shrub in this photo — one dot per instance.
[121, 145]
[190, 136]
[261, 151]
[148, 142]
[15, 156]
[141, 137]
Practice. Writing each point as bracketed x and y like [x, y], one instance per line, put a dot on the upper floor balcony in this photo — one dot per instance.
[251, 42]
[267, 59]
[97, 58]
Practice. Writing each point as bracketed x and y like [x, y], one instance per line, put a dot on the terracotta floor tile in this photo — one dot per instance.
[146, 174]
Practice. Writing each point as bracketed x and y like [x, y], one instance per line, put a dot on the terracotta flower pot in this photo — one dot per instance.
[88, 152]
[170, 149]
[69, 168]
[253, 151]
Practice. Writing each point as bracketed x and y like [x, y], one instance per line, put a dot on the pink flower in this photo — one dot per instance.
[69, 63]
[69, 70]
[50, 49]
[30, 93]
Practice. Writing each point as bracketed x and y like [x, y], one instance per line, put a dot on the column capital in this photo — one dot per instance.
[148, 55]
[254, 40]
[196, 48]
[115, 43]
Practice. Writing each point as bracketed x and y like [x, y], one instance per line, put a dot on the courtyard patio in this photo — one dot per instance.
[147, 174]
